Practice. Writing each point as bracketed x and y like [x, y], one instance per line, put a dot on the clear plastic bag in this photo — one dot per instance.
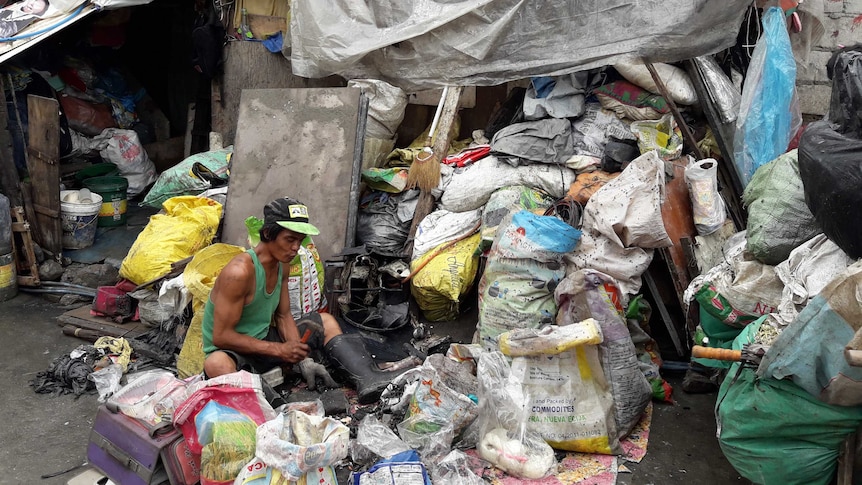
[662, 135]
[374, 440]
[107, 380]
[569, 401]
[228, 440]
[143, 392]
[454, 469]
[434, 399]
[707, 205]
[431, 435]
[504, 438]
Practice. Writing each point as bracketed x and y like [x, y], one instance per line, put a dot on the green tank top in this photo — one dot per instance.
[256, 316]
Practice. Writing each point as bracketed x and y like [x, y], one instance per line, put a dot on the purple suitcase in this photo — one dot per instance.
[130, 453]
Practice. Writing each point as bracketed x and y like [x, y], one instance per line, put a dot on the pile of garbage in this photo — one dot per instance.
[549, 218]
[549, 225]
[785, 297]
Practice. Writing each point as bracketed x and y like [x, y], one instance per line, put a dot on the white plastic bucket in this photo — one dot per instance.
[79, 219]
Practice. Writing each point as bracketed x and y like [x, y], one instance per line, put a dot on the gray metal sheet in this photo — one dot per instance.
[298, 143]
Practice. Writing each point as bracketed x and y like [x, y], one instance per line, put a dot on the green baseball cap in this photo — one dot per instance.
[289, 214]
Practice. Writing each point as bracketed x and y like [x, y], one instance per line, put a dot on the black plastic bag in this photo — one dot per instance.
[382, 228]
[845, 105]
[830, 164]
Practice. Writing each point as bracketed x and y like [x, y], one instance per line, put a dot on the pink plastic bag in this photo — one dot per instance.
[241, 391]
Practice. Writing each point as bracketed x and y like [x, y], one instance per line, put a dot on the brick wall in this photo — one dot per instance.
[843, 24]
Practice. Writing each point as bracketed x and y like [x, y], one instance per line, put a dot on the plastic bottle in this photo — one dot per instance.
[244, 30]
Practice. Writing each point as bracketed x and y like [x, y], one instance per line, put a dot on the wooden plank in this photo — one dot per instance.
[22, 247]
[262, 26]
[297, 143]
[42, 164]
[678, 221]
[664, 314]
[430, 97]
[680, 121]
[80, 317]
[248, 65]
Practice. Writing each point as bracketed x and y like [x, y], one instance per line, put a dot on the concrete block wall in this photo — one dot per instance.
[843, 24]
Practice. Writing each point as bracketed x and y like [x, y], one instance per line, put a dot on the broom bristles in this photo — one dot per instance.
[424, 172]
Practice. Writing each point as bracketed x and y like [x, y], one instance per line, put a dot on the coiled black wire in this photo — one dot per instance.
[567, 210]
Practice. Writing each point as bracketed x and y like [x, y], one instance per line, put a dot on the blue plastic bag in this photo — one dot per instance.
[769, 112]
[212, 414]
[541, 238]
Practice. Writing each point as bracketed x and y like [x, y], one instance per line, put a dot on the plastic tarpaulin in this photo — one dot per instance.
[425, 43]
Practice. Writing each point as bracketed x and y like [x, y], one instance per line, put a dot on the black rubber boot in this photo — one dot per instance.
[348, 352]
[700, 379]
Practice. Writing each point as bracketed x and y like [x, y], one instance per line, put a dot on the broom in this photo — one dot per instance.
[424, 173]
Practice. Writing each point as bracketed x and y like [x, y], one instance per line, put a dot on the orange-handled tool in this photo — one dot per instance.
[717, 354]
[306, 335]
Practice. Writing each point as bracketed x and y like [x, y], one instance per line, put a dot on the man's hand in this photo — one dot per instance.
[311, 370]
[292, 351]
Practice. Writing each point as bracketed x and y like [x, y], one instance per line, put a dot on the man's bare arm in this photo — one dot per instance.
[228, 297]
[284, 319]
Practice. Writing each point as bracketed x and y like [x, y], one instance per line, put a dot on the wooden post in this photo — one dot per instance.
[686, 132]
[43, 164]
[441, 145]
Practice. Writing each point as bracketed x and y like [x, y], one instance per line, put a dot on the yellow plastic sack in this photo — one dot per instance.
[188, 225]
[439, 286]
[190, 362]
[199, 276]
[201, 272]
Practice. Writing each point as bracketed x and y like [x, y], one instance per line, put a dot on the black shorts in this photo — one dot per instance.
[258, 364]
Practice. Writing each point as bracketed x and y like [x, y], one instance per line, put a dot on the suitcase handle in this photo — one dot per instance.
[120, 455]
[152, 429]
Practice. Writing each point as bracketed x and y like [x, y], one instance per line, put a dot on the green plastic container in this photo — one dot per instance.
[114, 201]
